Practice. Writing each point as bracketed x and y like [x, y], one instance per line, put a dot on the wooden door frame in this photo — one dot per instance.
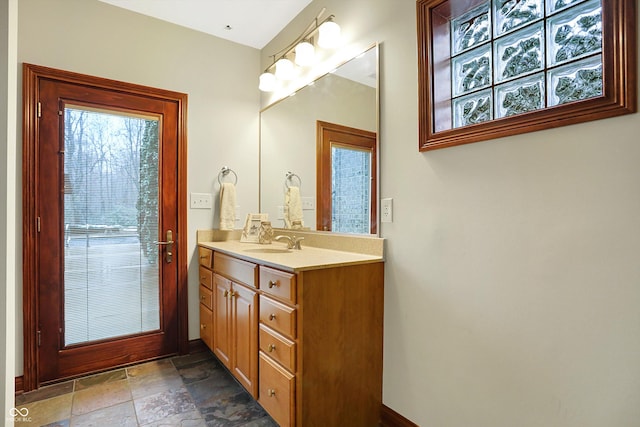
[323, 157]
[31, 75]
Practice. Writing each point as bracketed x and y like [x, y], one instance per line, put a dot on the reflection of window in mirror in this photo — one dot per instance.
[490, 68]
[347, 159]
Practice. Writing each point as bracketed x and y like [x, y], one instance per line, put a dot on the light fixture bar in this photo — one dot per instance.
[304, 49]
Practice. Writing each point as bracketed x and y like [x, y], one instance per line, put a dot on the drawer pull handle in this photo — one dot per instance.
[272, 284]
[271, 392]
[203, 257]
[272, 347]
[272, 316]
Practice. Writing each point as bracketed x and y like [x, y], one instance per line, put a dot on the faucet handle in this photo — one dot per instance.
[297, 242]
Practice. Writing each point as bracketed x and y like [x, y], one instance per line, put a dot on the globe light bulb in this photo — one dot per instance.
[267, 82]
[305, 54]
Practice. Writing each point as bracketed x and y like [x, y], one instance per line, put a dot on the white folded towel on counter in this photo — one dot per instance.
[227, 206]
[292, 207]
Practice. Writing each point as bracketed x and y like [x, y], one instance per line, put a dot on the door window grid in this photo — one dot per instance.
[521, 56]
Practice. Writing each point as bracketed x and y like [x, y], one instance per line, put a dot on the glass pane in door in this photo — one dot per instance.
[350, 190]
[111, 265]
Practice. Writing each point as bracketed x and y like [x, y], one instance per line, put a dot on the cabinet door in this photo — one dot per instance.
[245, 337]
[221, 319]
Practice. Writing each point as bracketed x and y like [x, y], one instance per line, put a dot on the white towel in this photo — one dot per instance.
[227, 206]
[292, 207]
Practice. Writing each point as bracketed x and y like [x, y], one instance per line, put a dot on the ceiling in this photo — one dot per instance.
[248, 22]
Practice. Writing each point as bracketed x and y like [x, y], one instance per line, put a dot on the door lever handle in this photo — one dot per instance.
[169, 244]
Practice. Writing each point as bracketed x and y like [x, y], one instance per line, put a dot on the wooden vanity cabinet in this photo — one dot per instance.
[206, 295]
[306, 345]
[321, 345]
[235, 318]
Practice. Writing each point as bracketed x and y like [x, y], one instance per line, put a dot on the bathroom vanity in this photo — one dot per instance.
[301, 330]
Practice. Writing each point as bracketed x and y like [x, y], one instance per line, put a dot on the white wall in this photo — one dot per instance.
[8, 99]
[95, 38]
[512, 282]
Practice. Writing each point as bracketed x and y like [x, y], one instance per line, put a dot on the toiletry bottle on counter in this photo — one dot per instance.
[265, 235]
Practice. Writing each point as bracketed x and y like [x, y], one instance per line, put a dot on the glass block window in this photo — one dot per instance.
[490, 68]
[516, 49]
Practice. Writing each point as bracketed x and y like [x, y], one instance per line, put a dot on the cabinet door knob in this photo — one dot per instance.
[272, 284]
[272, 316]
[202, 297]
[272, 347]
[203, 326]
[225, 294]
[271, 392]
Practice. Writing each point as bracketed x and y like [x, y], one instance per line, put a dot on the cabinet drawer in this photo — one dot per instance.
[278, 283]
[205, 256]
[206, 297]
[278, 348]
[277, 391]
[206, 326]
[278, 316]
[235, 269]
[206, 277]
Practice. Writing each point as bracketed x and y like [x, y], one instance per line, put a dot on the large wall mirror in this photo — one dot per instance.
[323, 140]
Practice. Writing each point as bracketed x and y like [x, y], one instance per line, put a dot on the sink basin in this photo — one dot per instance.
[268, 250]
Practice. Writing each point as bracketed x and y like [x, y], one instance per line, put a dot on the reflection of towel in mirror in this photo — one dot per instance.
[227, 206]
[292, 207]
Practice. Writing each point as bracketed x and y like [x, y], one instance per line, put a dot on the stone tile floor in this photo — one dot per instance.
[187, 391]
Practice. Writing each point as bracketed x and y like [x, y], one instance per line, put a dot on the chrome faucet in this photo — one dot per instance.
[293, 242]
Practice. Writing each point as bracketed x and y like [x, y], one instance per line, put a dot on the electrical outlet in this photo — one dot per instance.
[387, 210]
[201, 201]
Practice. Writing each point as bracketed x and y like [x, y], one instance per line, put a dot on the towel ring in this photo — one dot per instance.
[224, 172]
[290, 177]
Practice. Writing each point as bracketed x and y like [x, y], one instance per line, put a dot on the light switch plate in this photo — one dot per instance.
[308, 203]
[387, 210]
[201, 201]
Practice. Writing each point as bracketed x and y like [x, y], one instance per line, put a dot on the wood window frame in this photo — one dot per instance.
[324, 169]
[619, 64]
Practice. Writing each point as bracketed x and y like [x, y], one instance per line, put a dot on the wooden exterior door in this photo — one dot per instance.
[104, 231]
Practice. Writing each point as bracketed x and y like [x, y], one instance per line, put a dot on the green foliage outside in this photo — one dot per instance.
[147, 204]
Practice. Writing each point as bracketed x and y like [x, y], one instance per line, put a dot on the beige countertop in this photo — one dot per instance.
[278, 256]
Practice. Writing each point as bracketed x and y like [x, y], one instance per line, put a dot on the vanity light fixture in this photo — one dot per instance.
[303, 49]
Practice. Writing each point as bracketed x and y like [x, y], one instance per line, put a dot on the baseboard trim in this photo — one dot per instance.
[390, 418]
